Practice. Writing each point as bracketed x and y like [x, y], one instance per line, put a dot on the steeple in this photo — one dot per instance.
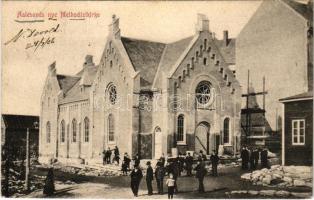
[114, 29]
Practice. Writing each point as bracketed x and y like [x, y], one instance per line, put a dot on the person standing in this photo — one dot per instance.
[162, 160]
[200, 174]
[252, 164]
[189, 163]
[214, 160]
[104, 159]
[116, 154]
[149, 178]
[175, 172]
[159, 175]
[108, 156]
[136, 177]
[255, 157]
[49, 187]
[170, 183]
[245, 158]
[137, 160]
[127, 160]
[202, 156]
[264, 158]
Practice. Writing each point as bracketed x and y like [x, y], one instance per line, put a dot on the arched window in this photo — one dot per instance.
[74, 130]
[205, 61]
[86, 129]
[110, 63]
[62, 130]
[48, 129]
[112, 93]
[180, 128]
[111, 128]
[226, 135]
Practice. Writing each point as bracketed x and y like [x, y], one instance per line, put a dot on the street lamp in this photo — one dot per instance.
[27, 185]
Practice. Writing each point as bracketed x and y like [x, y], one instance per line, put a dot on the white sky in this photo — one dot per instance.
[24, 71]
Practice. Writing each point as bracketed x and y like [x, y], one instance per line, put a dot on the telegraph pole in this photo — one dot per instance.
[27, 186]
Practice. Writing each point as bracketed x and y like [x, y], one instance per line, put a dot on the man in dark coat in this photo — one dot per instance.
[175, 171]
[126, 160]
[108, 156]
[200, 174]
[245, 158]
[162, 160]
[49, 187]
[264, 158]
[159, 175]
[116, 154]
[252, 164]
[137, 160]
[104, 160]
[149, 178]
[214, 160]
[255, 157]
[189, 163]
[136, 177]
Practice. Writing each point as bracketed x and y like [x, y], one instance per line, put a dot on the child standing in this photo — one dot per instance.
[170, 183]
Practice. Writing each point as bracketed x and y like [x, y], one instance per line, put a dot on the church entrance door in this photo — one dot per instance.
[157, 143]
[202, 138]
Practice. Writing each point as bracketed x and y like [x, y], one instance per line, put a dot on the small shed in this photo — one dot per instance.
[297, 132]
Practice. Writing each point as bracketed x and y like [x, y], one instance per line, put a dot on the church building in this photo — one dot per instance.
[146, 98]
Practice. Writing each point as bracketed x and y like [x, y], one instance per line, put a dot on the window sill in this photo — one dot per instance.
[181, 143]
[112, 142]
[298, 144]
[227, 145]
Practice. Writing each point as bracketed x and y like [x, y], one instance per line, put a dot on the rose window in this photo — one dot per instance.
[203, 92]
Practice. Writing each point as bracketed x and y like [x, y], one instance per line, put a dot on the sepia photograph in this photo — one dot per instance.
[157, 99]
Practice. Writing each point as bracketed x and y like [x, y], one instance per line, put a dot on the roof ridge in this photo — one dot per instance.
[143, 40]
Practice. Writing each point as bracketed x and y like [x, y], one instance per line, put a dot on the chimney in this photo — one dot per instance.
[202, 23]
[114, 28]
[89, 60]
[52, 69]
[226, 39]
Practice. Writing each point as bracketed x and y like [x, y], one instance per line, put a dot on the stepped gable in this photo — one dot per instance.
[145, 57]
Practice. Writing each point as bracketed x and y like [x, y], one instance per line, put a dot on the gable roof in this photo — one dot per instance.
[145, 57]
[19, 122]
[227, 51]
[75, 93]
[303, 96]
[304, 10]
[172, 53]
[67, 82]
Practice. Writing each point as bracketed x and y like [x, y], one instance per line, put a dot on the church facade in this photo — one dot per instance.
[145, 97]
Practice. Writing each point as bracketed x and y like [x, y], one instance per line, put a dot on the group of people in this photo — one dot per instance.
[251, 156]
[172, 169]
[107, 154]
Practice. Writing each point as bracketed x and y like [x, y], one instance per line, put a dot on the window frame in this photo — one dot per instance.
[229, 131]
[74, 130]
[110, 116]
[62, 131]
[86, 129]
[298, 143]
[181, 142]
[48, 132]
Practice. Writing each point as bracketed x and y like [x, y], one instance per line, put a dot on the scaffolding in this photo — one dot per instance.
[247, 111]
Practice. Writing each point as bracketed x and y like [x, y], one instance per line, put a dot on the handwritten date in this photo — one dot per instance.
[35, 38]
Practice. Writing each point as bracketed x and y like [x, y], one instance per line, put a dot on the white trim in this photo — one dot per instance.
[300, 99]
[298, 143]
[283, 161]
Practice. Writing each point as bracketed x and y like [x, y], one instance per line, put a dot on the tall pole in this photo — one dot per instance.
[247, 106]
[27, 187]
